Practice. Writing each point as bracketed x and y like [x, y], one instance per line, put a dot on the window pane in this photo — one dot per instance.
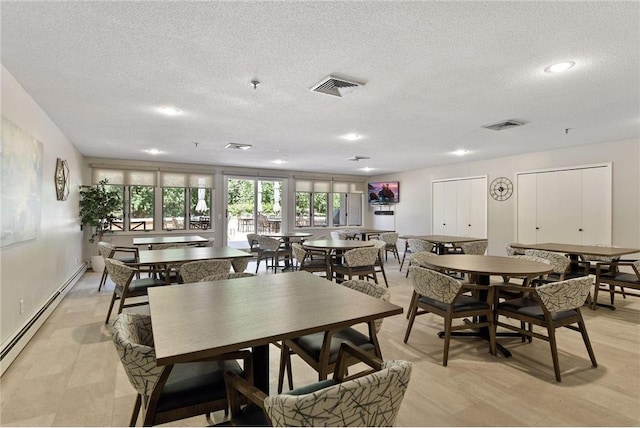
[320, 209]
[354, 209]
[339, 205]
[173, 207]
[303, 209]
[118, 224]
[141, 203]
[200, 209]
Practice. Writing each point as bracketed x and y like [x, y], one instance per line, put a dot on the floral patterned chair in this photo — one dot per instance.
[391, 239]
[444, 296]
[240, 264]
[413, 246]
[357, 262]
[608, 273]
[367, 399]
[172, 392]
[475, 247]
[307, 263]
[559, 262]
[228, 275]
[108, 251]
[381, 246]
[271, 248]
[195, 271]
[550, 306]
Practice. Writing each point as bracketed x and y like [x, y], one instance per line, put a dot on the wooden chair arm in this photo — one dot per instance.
[237, 388]
[127, 250]
[346, 350]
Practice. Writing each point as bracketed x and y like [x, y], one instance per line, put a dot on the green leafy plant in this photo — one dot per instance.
[97, 207]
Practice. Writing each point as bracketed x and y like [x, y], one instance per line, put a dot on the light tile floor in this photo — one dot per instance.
[70, 374]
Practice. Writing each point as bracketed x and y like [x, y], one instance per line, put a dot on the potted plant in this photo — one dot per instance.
[97, 207]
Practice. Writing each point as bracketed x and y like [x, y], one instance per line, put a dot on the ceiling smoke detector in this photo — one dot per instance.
[504, 125]
[335, 86]
[236, 146]
[358, 158]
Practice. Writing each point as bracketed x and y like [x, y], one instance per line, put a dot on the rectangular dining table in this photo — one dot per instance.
[576, 250]
[186, 239]
[366, 234]
[195, 321]
[440, 241]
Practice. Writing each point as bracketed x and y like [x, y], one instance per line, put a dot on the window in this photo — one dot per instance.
[328, 203]
[177, 189]
[200, 208]
[141, 207]
[173, 208]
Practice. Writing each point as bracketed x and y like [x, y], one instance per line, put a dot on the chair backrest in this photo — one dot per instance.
[421, 258]
[169, 246]
[229, 275]
[252, 239]
[195, 271]
[365, 256]
[475, 247]
[269, 244]
[298, 252]
[606, 259]
[418, 245]
[372, 400]
[240, 264]
[120, 274]
[339, 234]
[565, 295]
[511, 251]
[133, 337]
[533, 258]
[370, 290]
[106, 249]
[434, 285]
[559, 262]
[380, 245]
[389, 237]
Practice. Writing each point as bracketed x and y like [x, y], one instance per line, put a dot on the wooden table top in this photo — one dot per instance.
[590, 250]
[336, 244]
[209, 318]
[488, 265]
[443, 239]
[287, 235]
[188, 239]
[188, 254]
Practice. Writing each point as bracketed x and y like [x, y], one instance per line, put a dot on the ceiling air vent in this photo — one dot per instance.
[504, 125]
[335, 86]
[358, 158]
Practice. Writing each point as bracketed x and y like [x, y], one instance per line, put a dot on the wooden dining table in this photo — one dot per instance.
[481, 268]
[186, 239]
[575, 250]
[202, 320]
[440, 241]
[366, 234]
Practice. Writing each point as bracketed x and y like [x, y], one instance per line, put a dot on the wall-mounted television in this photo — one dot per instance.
[383, 192]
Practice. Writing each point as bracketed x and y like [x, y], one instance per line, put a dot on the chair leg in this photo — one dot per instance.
[412, 317]
[103, 279]
[384, 275]
[414, 298]
[624, 295]
[113, 300]
[612, 293]
[284, 355]
[554, 351]
[447, 340]
[594, 301]
[587, 342]
[136, 410]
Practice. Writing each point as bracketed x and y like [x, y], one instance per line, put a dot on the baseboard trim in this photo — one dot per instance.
[16, 343]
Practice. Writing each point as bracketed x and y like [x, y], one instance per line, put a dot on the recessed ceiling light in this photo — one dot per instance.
[153, 151]
[460, 152]
[169, 111]
[559, 67]
[352, 137]
[367, 169]
[279, 161]
[236, 146]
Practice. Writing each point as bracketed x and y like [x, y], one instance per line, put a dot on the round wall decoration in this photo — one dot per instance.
[501, 189]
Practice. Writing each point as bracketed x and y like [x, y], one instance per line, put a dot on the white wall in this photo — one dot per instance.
[34, 270]
[413, 213]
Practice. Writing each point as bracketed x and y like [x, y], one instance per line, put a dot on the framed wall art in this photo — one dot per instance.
[62, 180]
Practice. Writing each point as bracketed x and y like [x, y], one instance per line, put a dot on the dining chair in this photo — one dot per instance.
[228, 275]
[320, 350]
[559, 262]
[381, 246]
[420, 259]
[444, 296]
[108, 251]
[550, 306]
[126, 287]
[391, 239]
[240, 264]
[413, 246]
[608, 273]
[195, 271]
[475, 247]
[367, 399]
[172, 392]
[512, 251]
[307, 263]
[342, 234]
[358, 262]
[173, 268]
[271, 248]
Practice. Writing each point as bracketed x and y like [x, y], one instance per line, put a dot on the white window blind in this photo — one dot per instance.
[125, 177]
[186, 179]
[317, 186]
[348, 187]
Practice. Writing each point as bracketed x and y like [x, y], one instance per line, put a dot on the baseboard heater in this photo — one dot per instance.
[25, 329]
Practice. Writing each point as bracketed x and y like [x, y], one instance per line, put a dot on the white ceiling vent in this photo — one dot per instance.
[335, 86]
[358, 158]
[504, 125]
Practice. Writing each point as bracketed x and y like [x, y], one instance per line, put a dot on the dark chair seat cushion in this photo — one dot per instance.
[354, 270]
[628, 278]
[194, 383]
[308, 389]
[127, 260]
[139, 286]
[312, 343]
[462, 304]
[250, 416]
[314, 264]
[525, 306]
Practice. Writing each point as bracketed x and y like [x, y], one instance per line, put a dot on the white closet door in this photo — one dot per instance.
[526, 206]
[437, 207]
[559, 206]
[463, 214]
[450, 204]
[478, 209]
[596, 206]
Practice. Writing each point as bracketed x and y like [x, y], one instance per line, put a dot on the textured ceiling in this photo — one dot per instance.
[434, 74]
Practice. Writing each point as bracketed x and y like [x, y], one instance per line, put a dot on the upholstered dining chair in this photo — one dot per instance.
[271, 248]
[444, 296]
[172, 392]
[320, 350]
[174, 268]
[195, 271]
[307, 263]
[368, 399]
[391, 239]
[608, 273]
[475, 247]
[127, 287]
[342, 234]
[108, 251]
[420, 259]
[512, 251]
[379, 264]
[559, 262]
[228, 275]
[413, 246]
[240, 264]
[550, 306]
[357, 262]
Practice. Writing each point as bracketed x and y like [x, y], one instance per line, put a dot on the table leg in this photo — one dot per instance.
[260, 357]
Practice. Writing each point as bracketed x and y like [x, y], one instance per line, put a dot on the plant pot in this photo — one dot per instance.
[97, 264]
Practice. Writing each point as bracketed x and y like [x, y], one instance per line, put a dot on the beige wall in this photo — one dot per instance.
[413, 213]
[34, 270]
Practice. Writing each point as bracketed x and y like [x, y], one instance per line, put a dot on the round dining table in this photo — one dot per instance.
[338, 245]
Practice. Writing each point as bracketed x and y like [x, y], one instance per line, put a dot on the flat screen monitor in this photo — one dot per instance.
[383, 192]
